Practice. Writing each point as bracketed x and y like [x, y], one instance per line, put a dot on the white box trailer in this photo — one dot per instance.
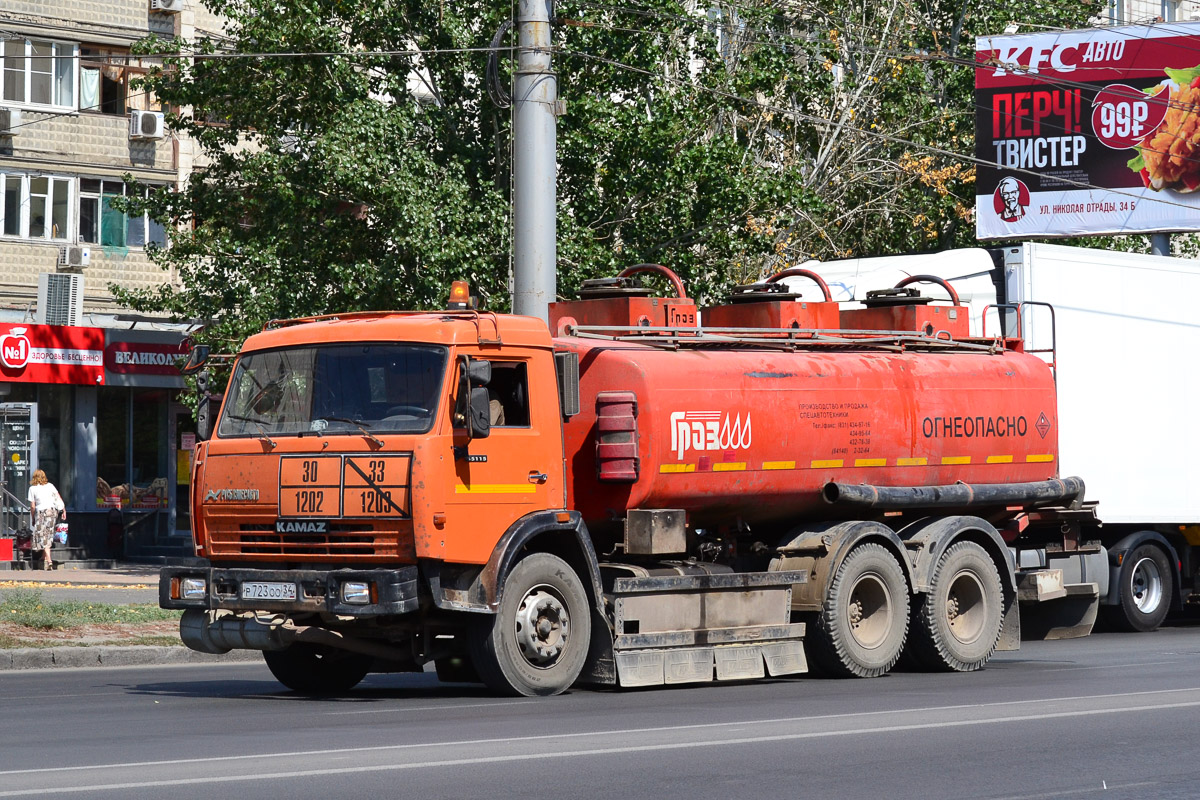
[1126, 339]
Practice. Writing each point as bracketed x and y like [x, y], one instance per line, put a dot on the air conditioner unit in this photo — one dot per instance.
[10, 120]
[74, 256]
[167, 6]
[146, 125]
[60, 299]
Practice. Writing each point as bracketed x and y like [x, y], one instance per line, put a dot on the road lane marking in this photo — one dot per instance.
[596, 751]
[640, 748]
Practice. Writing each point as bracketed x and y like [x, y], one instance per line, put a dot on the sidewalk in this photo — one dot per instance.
[124, 584]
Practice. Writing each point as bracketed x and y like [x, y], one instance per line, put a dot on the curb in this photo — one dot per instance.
[113, 656]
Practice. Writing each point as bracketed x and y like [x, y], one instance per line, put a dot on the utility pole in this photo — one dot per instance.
[1160, 244]
[535, 100]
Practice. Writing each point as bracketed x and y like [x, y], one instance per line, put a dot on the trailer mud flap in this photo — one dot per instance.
[1056, 610]
[700, 628]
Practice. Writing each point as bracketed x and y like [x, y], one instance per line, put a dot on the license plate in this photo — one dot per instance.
[268, 591]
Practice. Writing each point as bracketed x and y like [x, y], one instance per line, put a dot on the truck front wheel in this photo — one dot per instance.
[956, 625]
[1146, 585]
[537, 642]
[861, 627]
[317, 669]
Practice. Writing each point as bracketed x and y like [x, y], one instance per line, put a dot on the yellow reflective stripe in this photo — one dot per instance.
[1041, 458]
[779, 465]
[870, 462]
[495, 488]
[677, 468]
[956, 459]
[912, 462]
[827, 463]
[729, 466]
[999, 459]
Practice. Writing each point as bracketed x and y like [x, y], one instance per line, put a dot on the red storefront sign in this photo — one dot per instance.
[144, 358]
[51, 354]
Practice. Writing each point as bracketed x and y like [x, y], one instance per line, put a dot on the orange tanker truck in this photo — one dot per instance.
[633, 499]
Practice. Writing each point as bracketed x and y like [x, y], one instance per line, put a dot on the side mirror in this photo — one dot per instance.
[206, 416]
[479, 373]
[479, 417]
[195, 360]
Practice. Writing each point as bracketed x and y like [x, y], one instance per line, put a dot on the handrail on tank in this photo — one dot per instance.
[657, 269]
[803, 273]
[931, 279]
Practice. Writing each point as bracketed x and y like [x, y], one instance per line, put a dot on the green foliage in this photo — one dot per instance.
[725, 144]
[26, 607]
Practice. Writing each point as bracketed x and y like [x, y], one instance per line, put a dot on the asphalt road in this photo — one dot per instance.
[1113, 715]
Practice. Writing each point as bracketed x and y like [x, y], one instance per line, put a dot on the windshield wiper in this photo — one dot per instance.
[375, 440]
[262, 432]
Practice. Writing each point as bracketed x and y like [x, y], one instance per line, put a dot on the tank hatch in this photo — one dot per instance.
[772, 304]
[904, 308]
[623, 302]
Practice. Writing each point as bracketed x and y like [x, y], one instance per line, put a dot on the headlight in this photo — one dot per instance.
[356, 593]
[193, 588]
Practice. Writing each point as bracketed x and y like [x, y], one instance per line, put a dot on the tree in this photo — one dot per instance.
[356, 160]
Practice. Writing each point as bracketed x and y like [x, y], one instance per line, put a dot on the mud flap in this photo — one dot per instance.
[1056, 610]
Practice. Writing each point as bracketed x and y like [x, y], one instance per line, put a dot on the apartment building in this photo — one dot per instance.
[88, 391]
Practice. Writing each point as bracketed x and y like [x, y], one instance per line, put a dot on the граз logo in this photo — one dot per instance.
[705, 430]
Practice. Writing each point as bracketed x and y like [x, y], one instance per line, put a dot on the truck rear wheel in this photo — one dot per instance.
[1146, 587]
[956, 626]
[860, 630]
[537, 642]
[317, 669]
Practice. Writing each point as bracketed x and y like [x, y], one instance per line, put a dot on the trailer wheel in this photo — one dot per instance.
[956, 626]
[536, 644]
[1146, 586]
[860, 629]
[317, 669]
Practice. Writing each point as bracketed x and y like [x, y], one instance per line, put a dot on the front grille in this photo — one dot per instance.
[352, 541]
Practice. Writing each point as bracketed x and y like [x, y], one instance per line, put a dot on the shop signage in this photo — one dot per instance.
[51, 354]
[144, 358]
[1088, 132]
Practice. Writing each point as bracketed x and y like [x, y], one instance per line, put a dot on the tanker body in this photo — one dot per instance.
[633, 501]
[752, 437]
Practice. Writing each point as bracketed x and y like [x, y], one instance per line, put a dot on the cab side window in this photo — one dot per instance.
[508, 393]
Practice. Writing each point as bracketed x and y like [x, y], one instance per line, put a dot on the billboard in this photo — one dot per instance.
[1088, 132]
[51, 354]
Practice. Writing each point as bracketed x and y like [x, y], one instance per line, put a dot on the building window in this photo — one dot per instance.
[35, 206]
[100, 223]
[38, 73]
[104, 76]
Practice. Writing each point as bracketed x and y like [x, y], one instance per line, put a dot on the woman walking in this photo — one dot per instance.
[45, 505]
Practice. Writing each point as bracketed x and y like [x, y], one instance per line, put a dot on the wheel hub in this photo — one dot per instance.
[1147, 585]
[543, 627]
[869, 611]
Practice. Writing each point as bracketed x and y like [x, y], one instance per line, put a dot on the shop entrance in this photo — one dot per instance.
[18, 454]
[185, 447]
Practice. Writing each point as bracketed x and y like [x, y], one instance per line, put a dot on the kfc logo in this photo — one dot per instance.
[15, 349]
[1010, 199]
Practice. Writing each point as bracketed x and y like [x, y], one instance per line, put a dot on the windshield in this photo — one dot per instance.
[383, 388]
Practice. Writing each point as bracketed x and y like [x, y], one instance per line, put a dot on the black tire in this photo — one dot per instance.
[862, 625]
[317, 669]
[956, 625]
[537, 642]
[1147, 584]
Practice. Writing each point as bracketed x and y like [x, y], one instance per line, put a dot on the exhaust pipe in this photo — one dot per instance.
[218, 632]
[1058, 491]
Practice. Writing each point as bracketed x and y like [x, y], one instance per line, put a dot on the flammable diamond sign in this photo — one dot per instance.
[1088, 132]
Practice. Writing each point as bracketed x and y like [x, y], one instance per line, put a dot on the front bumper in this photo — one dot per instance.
[317, 591]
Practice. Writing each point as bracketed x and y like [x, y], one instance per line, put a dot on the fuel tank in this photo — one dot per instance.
[751, 435]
